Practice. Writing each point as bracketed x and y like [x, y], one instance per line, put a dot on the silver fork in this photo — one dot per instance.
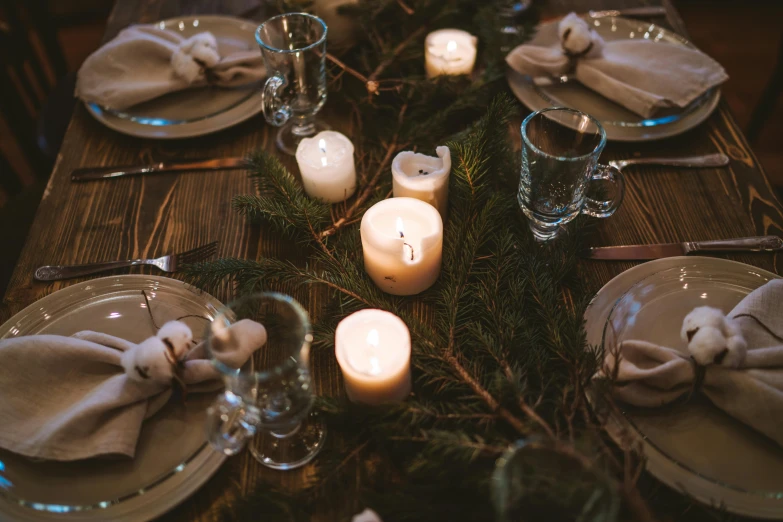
[694, 162]
[169, 263]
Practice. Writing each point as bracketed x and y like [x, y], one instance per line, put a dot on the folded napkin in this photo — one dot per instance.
[70, 398]
[736, 362]
[144, 62]
[640, 75]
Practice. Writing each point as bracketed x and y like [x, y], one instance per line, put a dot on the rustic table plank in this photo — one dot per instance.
[153, 215]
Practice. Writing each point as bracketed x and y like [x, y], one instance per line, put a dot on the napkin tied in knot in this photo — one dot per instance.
[87, 395]
[640, 74]
[737, 364]
[145, 62]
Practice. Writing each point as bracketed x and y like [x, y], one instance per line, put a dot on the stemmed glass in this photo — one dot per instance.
[268, 399]
[294, 49]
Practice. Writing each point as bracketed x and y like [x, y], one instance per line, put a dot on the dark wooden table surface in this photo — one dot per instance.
[154, 215]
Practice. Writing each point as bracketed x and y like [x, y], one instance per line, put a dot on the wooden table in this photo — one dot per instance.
[154, 215]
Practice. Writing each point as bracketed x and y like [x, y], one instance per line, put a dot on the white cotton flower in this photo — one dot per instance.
[147, 362]
[706, 344]
[701, 316]
[179, 335]
[713, 338]
[185, 66]
[368, 515]
[575, 34]
[203, 48]
[194, 55]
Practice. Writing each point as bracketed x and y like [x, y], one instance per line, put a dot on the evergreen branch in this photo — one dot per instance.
[479, 390]
[281, 200]
[396, 53]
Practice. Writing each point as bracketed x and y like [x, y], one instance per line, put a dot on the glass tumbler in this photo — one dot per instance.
[267, 401]
[560, 149]
[294, 49]
[540, 479]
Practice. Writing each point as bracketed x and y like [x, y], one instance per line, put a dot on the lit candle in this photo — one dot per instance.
[373, 349]
[327, 166]
[402, 240]
[449, 51]
[423, 177]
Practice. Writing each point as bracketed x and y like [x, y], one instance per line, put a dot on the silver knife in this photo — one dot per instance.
[640, 252]
[631, 11]
[92, 173]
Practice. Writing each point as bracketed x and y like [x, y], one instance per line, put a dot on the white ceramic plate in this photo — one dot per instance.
[199, 111]
[695, 447]
[172, 457]
[620, 123]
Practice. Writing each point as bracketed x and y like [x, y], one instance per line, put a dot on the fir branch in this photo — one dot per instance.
[281, 200]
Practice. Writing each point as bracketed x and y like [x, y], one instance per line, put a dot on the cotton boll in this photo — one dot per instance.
[147, 362]
[575, 34]
[185, 66]
[699, 331]
[179, 335]
[699, 317]
[203, 48]
[707, 344]
[193, 55]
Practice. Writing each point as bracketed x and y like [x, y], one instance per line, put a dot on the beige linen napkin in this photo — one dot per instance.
[69, 398]
[649, 375]
[144, 62]
[641, 75]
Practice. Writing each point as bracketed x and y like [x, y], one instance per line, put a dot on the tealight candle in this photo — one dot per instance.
[423, 177]
[373, 349]
[327, 166]
[449, 51]
[402, 240]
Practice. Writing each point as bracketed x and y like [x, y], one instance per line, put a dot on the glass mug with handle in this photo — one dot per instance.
[267, 401]
[294, 49]
[560, 149]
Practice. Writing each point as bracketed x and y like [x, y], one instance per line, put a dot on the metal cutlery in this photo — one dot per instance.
[169, 263]
[93, 173]
[695, 162]
[645, 252]
[631, 11]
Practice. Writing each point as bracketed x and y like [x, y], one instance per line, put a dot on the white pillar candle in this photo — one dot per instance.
[327, 166]
[402, 240]
[423, 177]
[373, 349]
[449, 51]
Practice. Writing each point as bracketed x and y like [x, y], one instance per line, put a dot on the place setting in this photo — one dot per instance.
[407, 325]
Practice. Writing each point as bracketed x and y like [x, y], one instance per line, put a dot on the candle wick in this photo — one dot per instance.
[402, 235]
[409, 246]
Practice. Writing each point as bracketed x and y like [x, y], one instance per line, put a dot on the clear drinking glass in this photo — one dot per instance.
[294, 50]
[267, 401]
[560, 149]
[541, 479]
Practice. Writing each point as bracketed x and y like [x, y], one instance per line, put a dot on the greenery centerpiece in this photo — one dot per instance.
[499, 353]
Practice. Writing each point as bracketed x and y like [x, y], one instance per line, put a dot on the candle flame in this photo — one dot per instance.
[451, 46]
[375, 363]
[372, 338]
[400, 227]
[322, 146]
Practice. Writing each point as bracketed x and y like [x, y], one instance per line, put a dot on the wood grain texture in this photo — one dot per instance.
[154, 215]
